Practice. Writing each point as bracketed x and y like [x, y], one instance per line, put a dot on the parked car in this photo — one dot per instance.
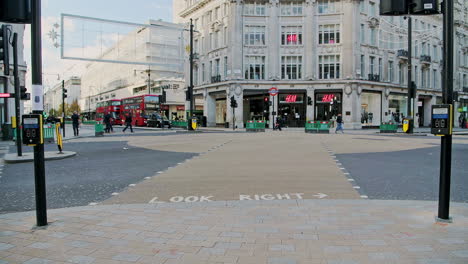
[157, 120]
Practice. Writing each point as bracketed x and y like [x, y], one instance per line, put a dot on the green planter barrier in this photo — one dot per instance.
[255, 126]
[311, 127]
[179, 123]
[323, 127]
[91, 122]
[388, 127]
[98, 130]
[48, 131]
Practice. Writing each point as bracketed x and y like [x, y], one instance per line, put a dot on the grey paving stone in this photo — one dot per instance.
[373, 242]
[156, 240]
[127, 257]
[305, 237]
[3, 262]
[138, 222]
[106, 224]
[451, 241]
[8, 233]
[228, 245]
[130, 231]
[199, 228]
[266, 230]
[167, 230]
[342, 261]
[93, 233]
[37, 261]
[281, 247]
[118, 242]
[5, 246]
[419, 248]
[276, 260]
[40, 245]
[212, 251]
[337, 249]
[434, 261]
[81, 259]
[461, 253]
[232, 234]
[383, 256]
[194, 237]
[78, 244]
[59, 234]
[170, 255]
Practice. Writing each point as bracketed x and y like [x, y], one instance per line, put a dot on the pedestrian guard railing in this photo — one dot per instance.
[179, 123]
[322, 127]
[388, 127]
[255, 125]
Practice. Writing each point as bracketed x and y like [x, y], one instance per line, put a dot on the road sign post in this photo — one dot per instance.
[273, 91]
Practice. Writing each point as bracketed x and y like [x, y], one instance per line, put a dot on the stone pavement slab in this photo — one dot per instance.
[281, 231]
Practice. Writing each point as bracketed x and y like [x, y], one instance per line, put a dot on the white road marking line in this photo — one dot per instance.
[364, 196]
[338, 164]
[356, 187]
[132, 185]
[159, 172]
[115, 193]
[179, 163]
[92, 204]
[147, 178]
[350, 179]
[342, 168]
[346, 173]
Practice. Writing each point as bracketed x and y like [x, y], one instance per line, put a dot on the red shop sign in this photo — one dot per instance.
[180, 108]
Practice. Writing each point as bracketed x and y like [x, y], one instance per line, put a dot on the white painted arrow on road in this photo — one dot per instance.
[320, 195]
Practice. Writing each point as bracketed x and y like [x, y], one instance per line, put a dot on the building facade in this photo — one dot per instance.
[53, 96]
[325, 56]
[104, 81]
[7, 105]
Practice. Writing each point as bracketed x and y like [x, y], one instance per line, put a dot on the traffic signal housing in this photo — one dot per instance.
[409, 7]
[4, 55]
[16, 11]
[309, 100]
[23, 94]
[162, 99]
[233, 102]
[64, 93]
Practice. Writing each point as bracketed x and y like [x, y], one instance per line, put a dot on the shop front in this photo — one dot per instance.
[371, 108]
[221, 112]
[257, 107]
[397, 107]
[292, 109]
[177, 112]
[463, 113]
[327, 105]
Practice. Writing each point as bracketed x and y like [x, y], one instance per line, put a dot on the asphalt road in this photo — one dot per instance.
[98, 170]
[407, 175]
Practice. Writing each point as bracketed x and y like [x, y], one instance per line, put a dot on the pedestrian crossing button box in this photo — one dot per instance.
[442, 119]
[32, 130]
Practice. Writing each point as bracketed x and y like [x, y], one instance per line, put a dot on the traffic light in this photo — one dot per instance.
[456, 96]
[393, 7]
[16, 11]
[413, 90]
[424, 7]
[23, 94]
[162, 99]
[309, 100]
[64, 93]
[4, 55]
[233, 102]
[188, 96]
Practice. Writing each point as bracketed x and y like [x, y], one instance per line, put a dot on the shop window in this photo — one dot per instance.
[329, 34]
[291, 35]
[329, 67]
[291, 67]
[254, 35]
[254, 67]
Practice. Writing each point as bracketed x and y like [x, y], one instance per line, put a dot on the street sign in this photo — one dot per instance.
[273, 91]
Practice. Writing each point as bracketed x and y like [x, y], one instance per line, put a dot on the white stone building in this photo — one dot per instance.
[104, 81]
[53, 96]
[325, 50]
[7, 106]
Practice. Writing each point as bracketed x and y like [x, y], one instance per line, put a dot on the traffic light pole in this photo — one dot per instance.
[63, 108]
[36, 76]
[447, 97]
[17, 95]
[189, 121]
[410, 108]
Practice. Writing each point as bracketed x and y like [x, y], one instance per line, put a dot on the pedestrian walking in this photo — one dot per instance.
[108, 122]
[339, 121]
[278, 123]
[128, 123]
[76, 123]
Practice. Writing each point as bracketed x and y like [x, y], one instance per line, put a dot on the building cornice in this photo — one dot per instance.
[191, 9]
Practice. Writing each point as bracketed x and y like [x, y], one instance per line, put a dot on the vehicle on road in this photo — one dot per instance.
[111, 106]
[140, 106]
[158, 120]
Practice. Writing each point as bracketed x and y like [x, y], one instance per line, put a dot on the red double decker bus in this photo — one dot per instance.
[111, 106]
[141, 107]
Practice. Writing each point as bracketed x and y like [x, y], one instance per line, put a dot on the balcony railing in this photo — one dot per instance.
[402, 53]
[374, 77]
[425, 59]
[216, 79]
